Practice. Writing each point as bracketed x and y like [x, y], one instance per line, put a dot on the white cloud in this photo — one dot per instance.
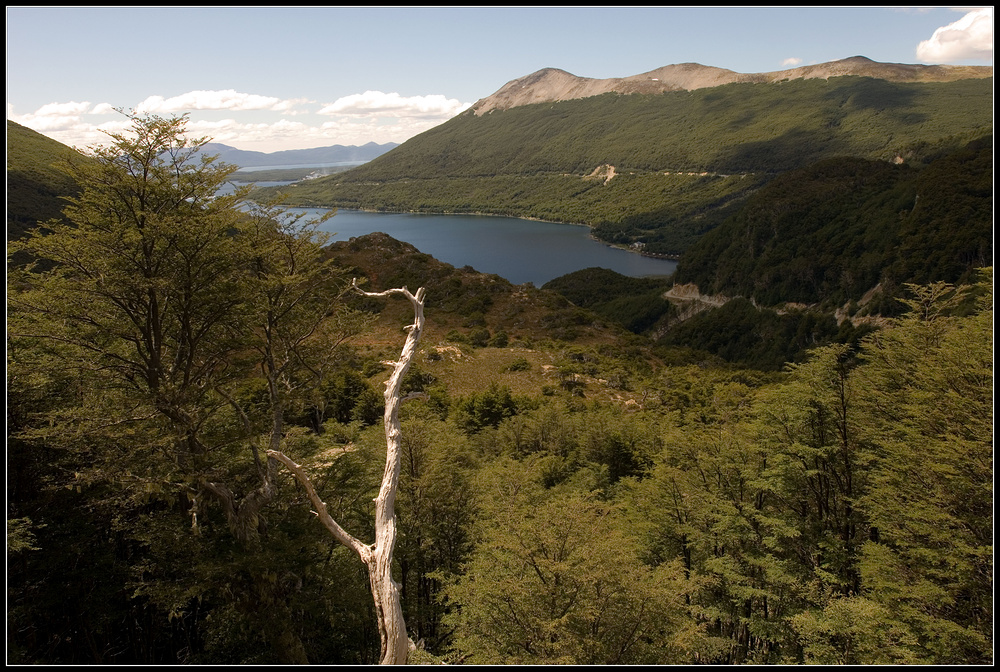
[253, 135]
[70, 109]
[394, 105]
[261, 123]
[969, 38]
[63, 123]
[215, 100]
[791, 61]
[52, 117]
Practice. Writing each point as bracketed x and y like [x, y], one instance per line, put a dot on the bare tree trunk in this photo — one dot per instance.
[378, 556]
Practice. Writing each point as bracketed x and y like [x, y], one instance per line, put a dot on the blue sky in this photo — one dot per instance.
[268, 78]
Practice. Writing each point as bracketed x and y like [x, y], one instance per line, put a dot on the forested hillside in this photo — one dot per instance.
[833, 231]
[658, 169]
[567, 494]
[818, 256]
[35, 186]
[638, 304]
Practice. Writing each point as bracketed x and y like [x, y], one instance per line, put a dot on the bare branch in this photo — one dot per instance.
[378, 556]
[364, 551]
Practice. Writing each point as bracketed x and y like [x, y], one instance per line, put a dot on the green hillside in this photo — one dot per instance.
[843, 233]
[35, 186]
[635, 303]
[833, 231]
[681, 160]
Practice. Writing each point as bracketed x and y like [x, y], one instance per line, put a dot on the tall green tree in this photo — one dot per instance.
[148, 306]
[808, 426]
[143, 301]
[436, 508]
[928, 382]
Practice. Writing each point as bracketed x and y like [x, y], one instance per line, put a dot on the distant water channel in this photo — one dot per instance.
[519, 250]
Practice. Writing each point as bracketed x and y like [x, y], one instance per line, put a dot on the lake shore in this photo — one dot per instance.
[615, 246]
[518, 249]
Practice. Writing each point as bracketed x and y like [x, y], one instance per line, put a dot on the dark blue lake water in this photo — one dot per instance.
[519, 250]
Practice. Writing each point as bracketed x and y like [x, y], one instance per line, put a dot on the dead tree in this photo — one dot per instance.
[378, 555]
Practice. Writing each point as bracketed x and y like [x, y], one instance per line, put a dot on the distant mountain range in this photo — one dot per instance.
[290, 157]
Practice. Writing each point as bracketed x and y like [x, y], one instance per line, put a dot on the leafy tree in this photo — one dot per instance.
[854, 630]
[817, 465]
[711, 503]
[486, 409]
[297, 317]
[625, 446]
[436, 508]
[928, 382]
[156, 290]
[554, 578]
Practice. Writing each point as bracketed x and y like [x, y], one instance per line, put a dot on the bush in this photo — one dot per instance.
[499, 340]
[519, 364]
[480, 337]
[485, 409]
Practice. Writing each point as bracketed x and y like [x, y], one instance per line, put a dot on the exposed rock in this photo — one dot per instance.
[605, 173]
[690, 301]
[552, 85]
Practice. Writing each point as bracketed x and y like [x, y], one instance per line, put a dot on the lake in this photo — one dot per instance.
[519, 250]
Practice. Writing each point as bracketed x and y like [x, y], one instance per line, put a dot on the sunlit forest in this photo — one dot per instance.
[567, 493]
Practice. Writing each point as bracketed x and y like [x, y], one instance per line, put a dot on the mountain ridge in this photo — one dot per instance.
[555, 85]
[681, 161]
[329, 154]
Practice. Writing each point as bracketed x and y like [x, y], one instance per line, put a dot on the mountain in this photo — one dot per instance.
[552, 85]
[35, 185]
[289, 157]
[657, 160]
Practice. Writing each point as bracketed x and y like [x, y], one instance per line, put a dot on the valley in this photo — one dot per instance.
[780, 452]
[718, 144]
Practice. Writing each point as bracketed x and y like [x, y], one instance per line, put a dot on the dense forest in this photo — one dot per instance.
[832, 231]
[567, 492]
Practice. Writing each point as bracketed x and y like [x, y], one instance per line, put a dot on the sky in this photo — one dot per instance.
[276, 78]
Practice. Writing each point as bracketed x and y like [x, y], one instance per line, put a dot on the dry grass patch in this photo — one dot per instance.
[466, 370]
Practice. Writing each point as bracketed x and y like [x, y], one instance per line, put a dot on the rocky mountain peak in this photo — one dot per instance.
[552, 84]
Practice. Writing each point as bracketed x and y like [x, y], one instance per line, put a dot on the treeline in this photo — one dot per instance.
[831, 232]
[565, 503]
